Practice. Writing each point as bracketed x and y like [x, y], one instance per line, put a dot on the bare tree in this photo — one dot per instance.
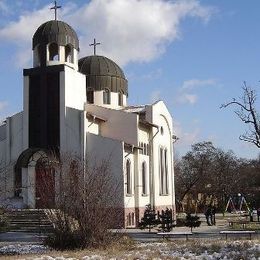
[87, 202]
[247, 112]
[192, 172]
[215, 175]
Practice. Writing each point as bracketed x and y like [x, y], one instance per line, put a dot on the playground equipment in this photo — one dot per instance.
[237, 204]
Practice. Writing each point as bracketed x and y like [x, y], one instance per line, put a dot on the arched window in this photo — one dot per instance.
[128, 178]
[53, 52]
[144, 180]
[163, 172]
[142, 150]
[106, 96]
[133, 219]
[128, 219]
[69, 54]
[90, 95]
[120, 98]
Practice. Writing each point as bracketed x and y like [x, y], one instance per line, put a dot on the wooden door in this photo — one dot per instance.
[45, 187]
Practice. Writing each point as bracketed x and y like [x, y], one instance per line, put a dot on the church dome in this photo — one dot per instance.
[56, 32]
[103, 73]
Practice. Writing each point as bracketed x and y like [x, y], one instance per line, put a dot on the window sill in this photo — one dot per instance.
[144, 195]
[129, 195]
[164, 194]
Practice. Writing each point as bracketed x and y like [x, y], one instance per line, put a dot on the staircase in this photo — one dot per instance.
[29, 220]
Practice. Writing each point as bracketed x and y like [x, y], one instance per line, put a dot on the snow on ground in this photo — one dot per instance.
[20, 249]
[195, 249]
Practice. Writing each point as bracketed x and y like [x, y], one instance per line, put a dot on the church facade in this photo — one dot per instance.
[80, 107]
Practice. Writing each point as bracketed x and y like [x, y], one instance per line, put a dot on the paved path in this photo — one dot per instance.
[204, 231]
[21, 237]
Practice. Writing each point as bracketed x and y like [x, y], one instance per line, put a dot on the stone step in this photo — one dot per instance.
[30, 230]
[29, 221]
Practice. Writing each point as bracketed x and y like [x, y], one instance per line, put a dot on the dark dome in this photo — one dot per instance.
[57, 32]
[103, 73]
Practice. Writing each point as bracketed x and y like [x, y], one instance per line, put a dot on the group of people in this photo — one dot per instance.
[210, 215]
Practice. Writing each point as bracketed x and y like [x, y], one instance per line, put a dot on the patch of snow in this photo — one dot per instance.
[19, 249]
[199, 251]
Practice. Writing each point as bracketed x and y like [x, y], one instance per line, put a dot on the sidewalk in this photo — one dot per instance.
[221, 224]
[18, 237]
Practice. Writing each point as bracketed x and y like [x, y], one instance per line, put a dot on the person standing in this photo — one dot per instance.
[258, 214]
[208, 216]
[213, 215]
[251, 218]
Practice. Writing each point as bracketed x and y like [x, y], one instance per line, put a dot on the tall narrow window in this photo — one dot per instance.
[128, 222]
[163, 171]
[120, 98]
[128, 178]
[133, 219]
[106, 96]
[53, 52]
[68, 54]
[166, 172]
[144, 181]
[90, 95]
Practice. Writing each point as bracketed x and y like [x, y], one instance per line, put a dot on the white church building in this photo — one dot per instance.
[80, 106]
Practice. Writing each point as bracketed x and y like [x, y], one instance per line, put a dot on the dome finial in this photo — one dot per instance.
[55, 8]
[95, 44]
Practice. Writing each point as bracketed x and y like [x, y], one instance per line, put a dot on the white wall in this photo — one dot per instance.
[16, 133]
[162, 118]
[72, 100]
[93, 127]
[98, 100]
[111, 151]
[73, 86]
[10, 149]
[2, 132]
[120, 125]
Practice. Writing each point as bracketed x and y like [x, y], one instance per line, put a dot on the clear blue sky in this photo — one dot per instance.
[192, 54]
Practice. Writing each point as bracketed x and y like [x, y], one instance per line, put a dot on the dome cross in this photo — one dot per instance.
[55, 8]
[94, 44]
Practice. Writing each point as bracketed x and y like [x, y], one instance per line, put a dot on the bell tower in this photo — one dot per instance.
[54, 43]
[52, 86]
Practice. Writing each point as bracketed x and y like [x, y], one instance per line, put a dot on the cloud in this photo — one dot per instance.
[194, 83]
[186, 137]
[186, 95]
[155, 74]
[155, 95]
[185, 98]
[129, 30]
[3, 105]
[3, 7]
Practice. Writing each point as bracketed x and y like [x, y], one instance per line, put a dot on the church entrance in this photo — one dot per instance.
[45, 185]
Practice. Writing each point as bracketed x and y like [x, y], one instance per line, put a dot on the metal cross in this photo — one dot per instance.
[55, 7]
[94, 44]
